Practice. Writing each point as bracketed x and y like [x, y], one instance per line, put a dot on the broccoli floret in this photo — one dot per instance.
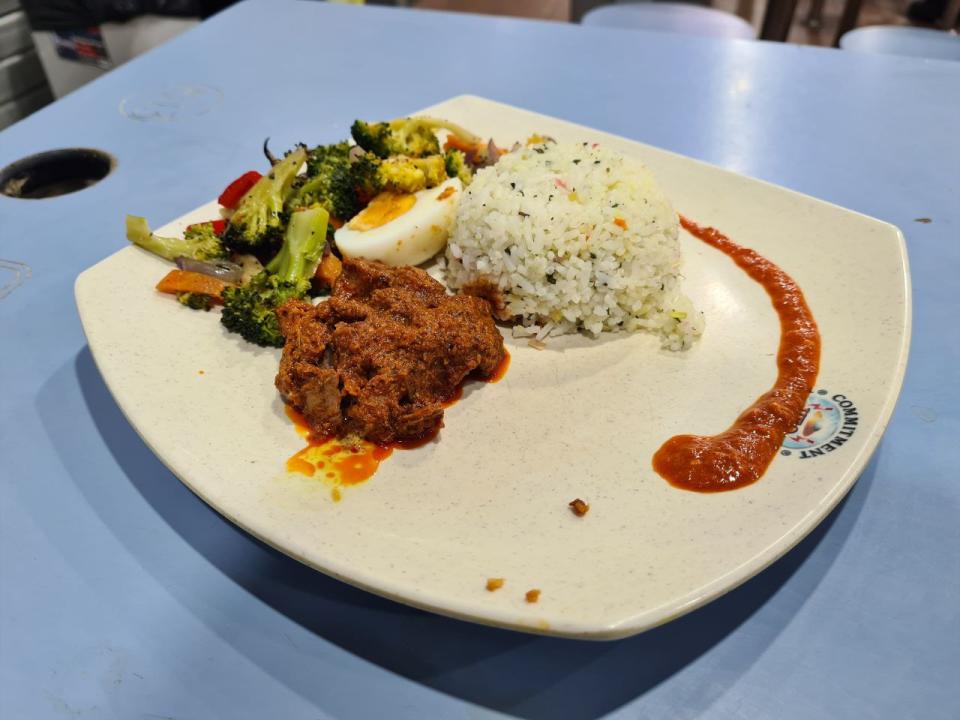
[327, 182]
[400, 174]
[364, 174]
[195, 301]
[302, 245]
[456, 165]
[324, 156]
[372, 137]
[404, 174]
[404, 136]
[250, 310]
[414, 137]
[335, 191]
[208, 244]
[258, 220]
[198, 242]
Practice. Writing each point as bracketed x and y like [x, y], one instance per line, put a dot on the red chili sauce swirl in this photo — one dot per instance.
[741, 454]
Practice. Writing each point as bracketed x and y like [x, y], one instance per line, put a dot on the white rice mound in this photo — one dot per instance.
[546, 225]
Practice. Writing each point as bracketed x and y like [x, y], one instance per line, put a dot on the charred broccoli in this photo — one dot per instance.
[456, 166]
[400, 174]
[327, 182]
[404, 136]
[198, 242]
[258, 220]
[415, 137]
[195, 301]
[250, 310]
[324, 157]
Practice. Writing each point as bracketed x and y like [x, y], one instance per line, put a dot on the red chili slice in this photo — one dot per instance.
[218, 225]
[230, 197]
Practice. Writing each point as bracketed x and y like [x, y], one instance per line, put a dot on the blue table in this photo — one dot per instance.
[124, 596]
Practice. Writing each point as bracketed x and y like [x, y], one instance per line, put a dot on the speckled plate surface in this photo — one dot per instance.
[580, 419]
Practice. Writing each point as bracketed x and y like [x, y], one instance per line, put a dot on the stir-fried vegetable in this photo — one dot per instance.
[399, 174]
[198, 242]
[476, 154]
[220, 269]
[184, 281]
[414, 137]
[235, 191]
[271, 245]
[456, 165]
[196, 301]
[259, 219]
[250, 310]
[328, 182]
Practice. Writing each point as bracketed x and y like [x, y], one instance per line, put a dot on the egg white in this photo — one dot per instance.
[410, 239]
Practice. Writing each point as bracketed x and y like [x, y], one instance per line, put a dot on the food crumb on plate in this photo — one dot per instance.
[578, 507]
[536, 344]
[494, 584]
[533, 595]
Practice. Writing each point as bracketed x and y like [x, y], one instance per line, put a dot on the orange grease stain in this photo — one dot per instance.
[353, 462]
[345, 463]
[299, 464]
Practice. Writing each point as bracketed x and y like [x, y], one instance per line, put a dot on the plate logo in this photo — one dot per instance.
[828, 421]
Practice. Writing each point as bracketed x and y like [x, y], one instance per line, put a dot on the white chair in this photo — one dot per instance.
[671, 17]
[910, 41]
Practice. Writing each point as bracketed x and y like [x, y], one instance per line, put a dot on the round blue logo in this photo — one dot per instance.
[828, 421]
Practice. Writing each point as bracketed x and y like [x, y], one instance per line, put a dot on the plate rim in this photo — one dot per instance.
[637, 622]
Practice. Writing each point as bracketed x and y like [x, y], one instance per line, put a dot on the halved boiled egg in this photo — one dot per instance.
[402, 229]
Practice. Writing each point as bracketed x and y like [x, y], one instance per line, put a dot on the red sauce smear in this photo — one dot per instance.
[501, 369]
[741, 454]
[351, 463]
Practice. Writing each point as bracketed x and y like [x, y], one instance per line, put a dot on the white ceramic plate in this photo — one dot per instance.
[581, 419]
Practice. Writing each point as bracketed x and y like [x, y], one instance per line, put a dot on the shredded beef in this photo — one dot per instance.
[379, 358]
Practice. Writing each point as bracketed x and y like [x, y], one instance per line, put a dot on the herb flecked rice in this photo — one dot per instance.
[577, 237]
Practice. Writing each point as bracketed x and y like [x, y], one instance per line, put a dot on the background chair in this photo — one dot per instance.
[671, 17]
[911, 41]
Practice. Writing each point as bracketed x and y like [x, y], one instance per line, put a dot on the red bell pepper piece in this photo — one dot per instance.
[219, 225]
[230, 197]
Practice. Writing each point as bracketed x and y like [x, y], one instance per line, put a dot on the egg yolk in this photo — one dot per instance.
[382, 209]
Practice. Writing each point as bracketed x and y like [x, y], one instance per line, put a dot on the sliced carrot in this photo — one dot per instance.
[474, 153]
[184, 281]
[454, 143]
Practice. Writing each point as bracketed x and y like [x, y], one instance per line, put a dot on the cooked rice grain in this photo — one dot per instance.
[577, 237]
